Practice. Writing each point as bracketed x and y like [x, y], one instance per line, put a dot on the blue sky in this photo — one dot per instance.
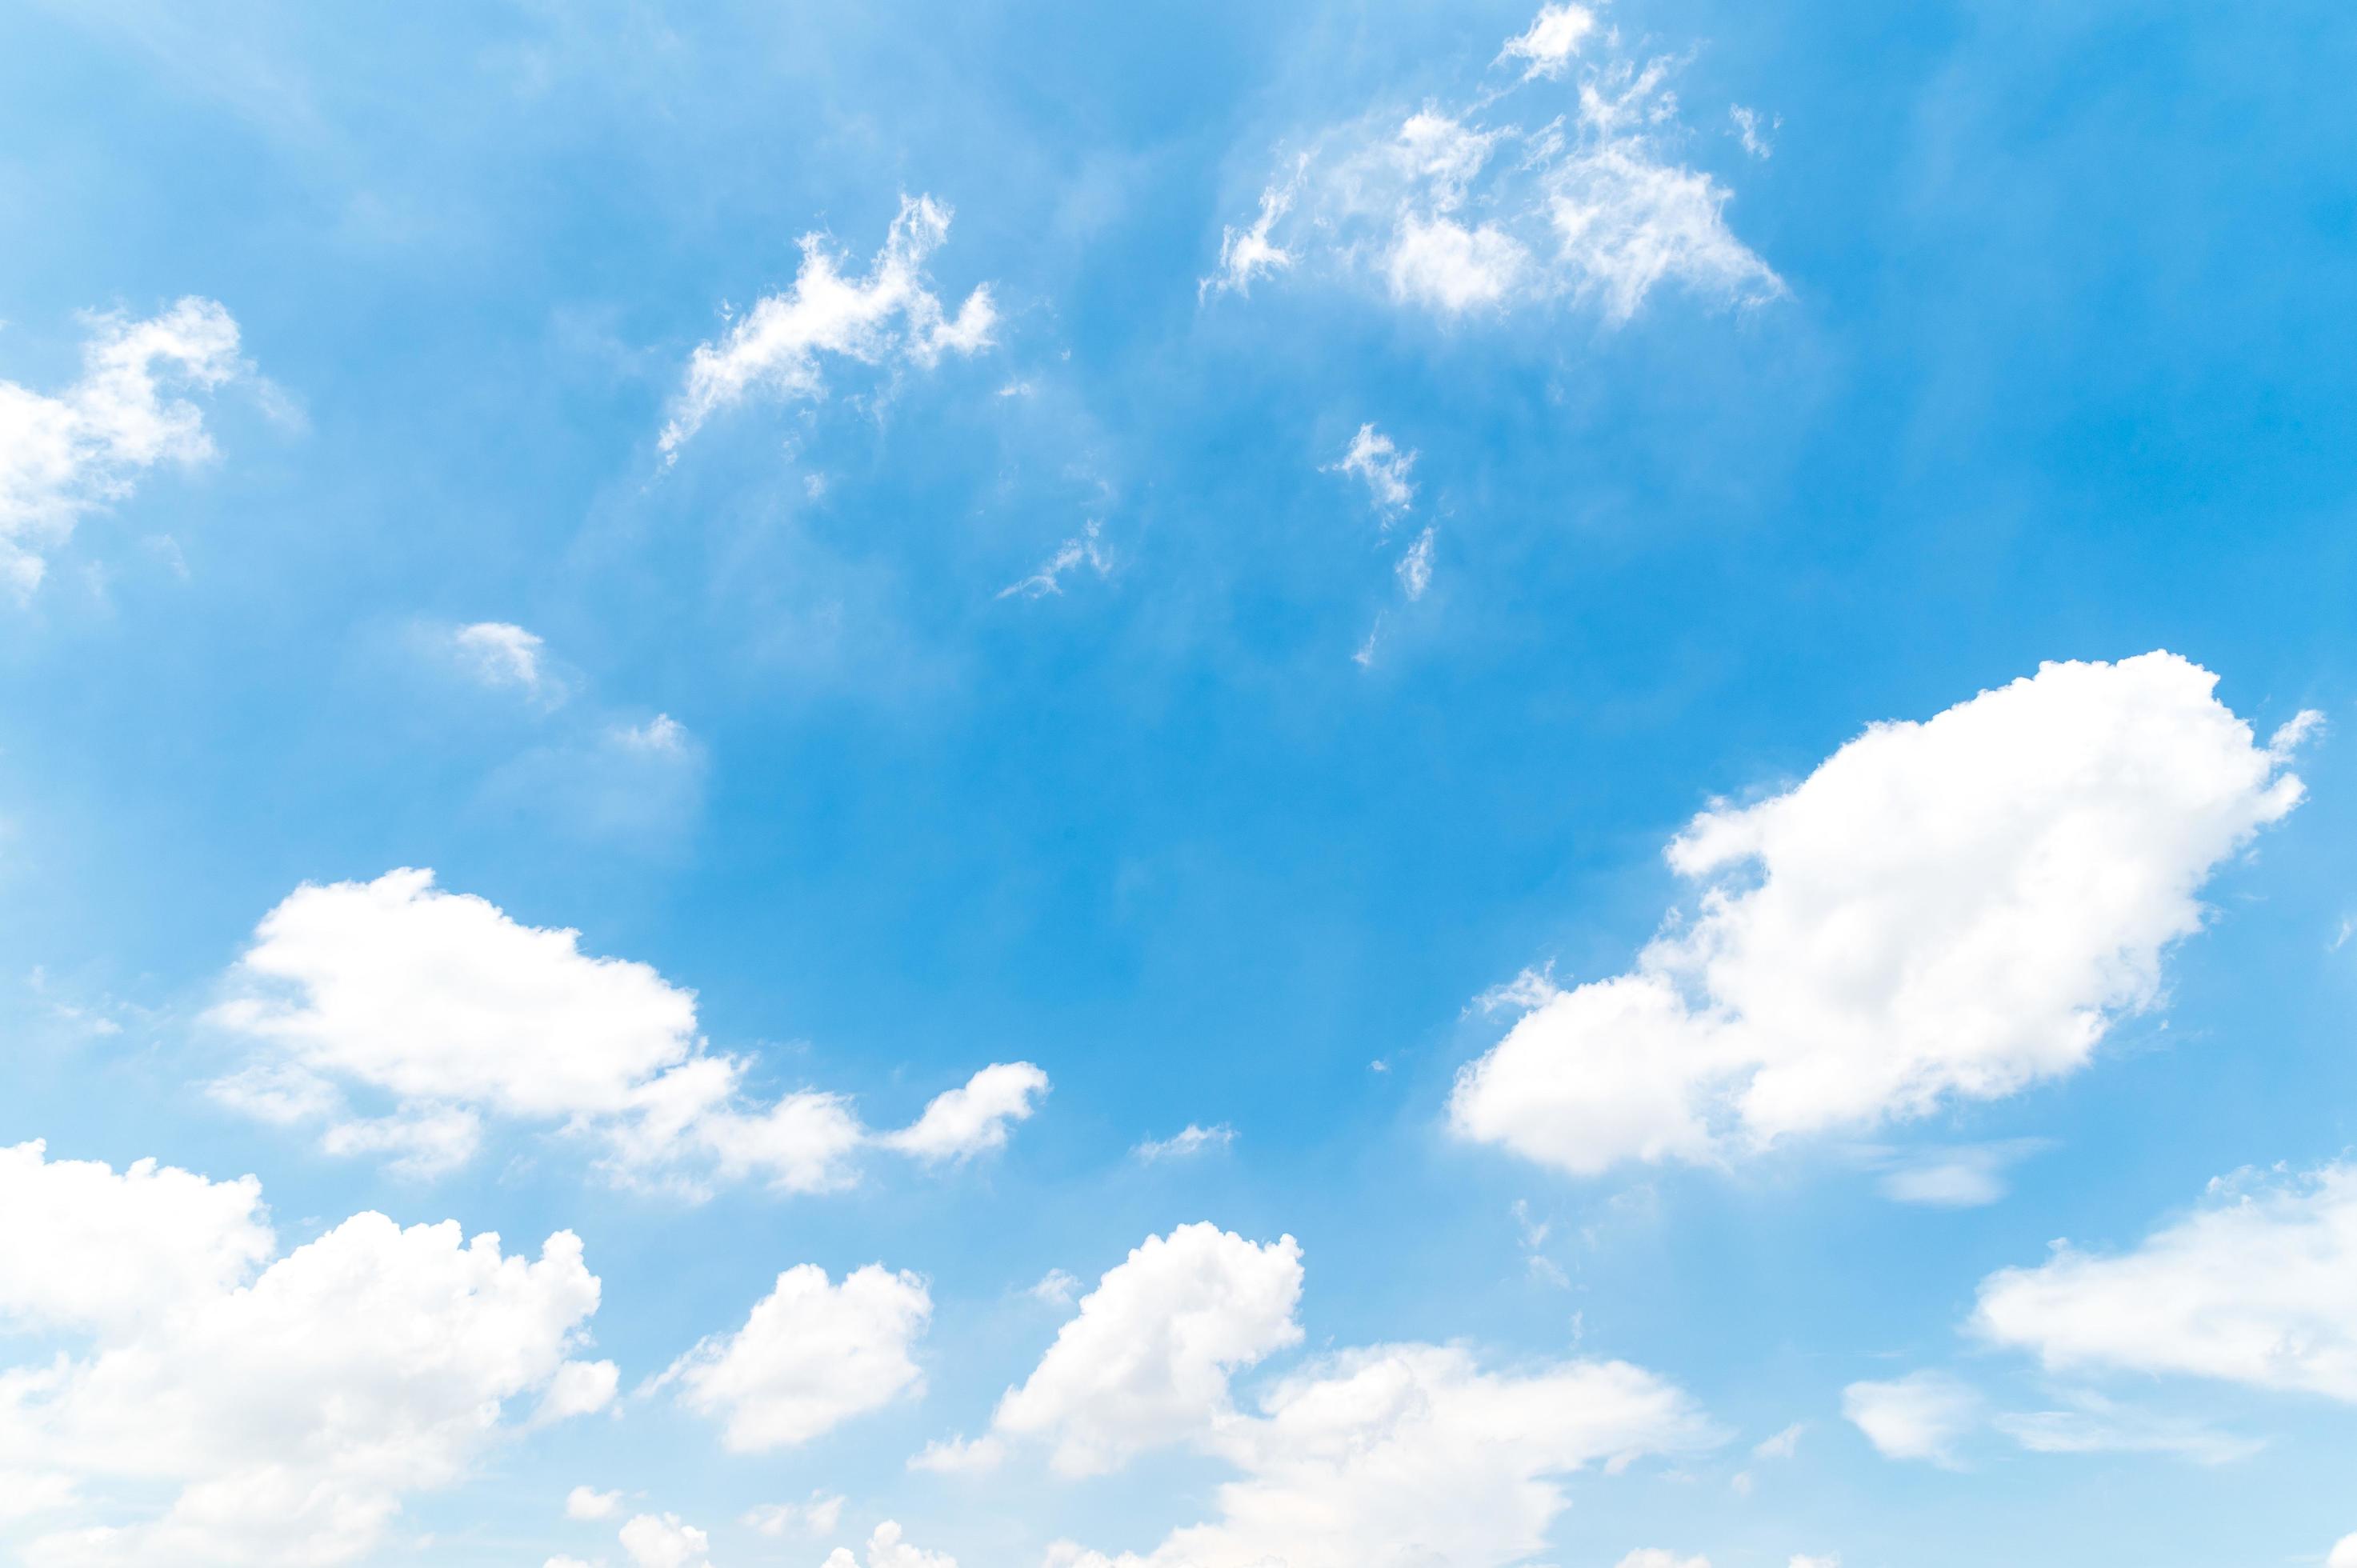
[1183, 881]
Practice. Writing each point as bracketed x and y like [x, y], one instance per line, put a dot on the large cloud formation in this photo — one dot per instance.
[1950, 909]
[442, 1005]
[285, 1407]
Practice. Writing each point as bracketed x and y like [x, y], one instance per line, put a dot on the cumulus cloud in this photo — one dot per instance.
[1455, 210]
[1146, 1362]
[65, 454]
[811, 1355]
[1919, 1416]
[665, 1541]
[2258, 1286]
[890, 315]
[1404, 1454]
[442, 1004]
[1374, 458]
[284, 1404]
[2344, 1552]
[1947, 910]
[888, 1548]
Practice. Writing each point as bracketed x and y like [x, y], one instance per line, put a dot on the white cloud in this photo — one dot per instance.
[1415, 568]
[589, 1503]
[1146, 1361]
[817, 1517]
[1782, 1445]
[665, 1542]
[455, 1012]
[1954, 909]
[2344, 1552]
[63, 455]
[891, 314]
[286, 1407]
[973, 1119]
[1753, 130]
[2096, 1425]
[1055, 1288]
[500, 654]
[1455, 213]
[1554, 35]
[1919, 1416]
[1407, 1455]
[2255, 1287]
[887, 1547]
[1185, 1144]
[1081, 550]
[1967, 1175]
[1383, 466]
[1656, 1557]
[1799, 1560]
[811, 1355]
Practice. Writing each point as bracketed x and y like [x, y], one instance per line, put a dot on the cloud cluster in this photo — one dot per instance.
[1953, 909]
[286, 1404]
[441, 1005]
[1379, 1457]
[1448, 211]
[811, 1355]
[889, 315]
[63, 455]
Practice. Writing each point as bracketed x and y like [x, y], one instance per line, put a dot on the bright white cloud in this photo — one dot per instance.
[2258, 1286]
[63, 455]
[1146, 1361]
[1554, 35]
[974, 1118]
[891, 314]
[500, 654]
[1415, 568]
[1081, 550]
[1954, 909]
[589, 1503]
[1919, 1416]
[1453, 210]
[285, 1407]
[1186, 1143]
[1967, 1175]
[1408, 1455]
[1385, 470]
[453, 1011]
[665, 1541]
[2344, 1552]
[888, 1548]
[811, 1355]
[1657, 1557]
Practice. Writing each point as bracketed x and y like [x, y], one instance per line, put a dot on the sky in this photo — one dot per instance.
[1339, 786]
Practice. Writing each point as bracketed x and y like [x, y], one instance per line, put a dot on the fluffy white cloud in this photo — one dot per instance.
[589, 1503]
[2344, 1552]
[1952, 909]
[1456, 214]
[1403, 1455]
[973, 1119]
[811, 1355]
[1376, 459]
[1919, 1416]
[890, 314]
[665, 1542]
[62, 456]
[888, 1548]
[1146, 1359]
[442, 1004]
[286, 1407]
[1554, 35]
[2258, 1286]
[500, 654]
